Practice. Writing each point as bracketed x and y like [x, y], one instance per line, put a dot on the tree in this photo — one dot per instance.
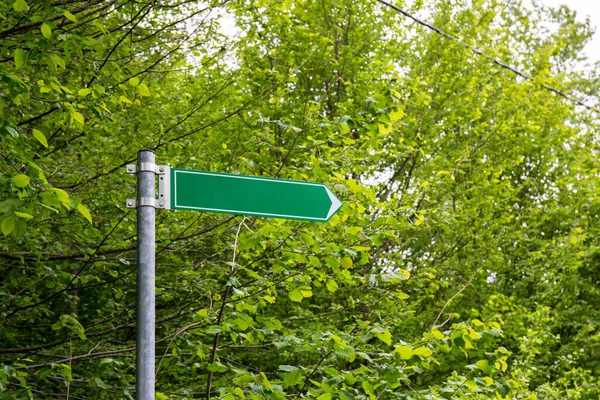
[462, 264]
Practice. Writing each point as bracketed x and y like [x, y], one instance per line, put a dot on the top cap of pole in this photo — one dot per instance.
[142, 151]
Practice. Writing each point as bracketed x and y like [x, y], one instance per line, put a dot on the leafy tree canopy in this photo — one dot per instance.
[463, 264]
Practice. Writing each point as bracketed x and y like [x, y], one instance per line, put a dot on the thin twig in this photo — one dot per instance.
[179, 332]
[307, 379]
[458, 387]
[452, 298]
[71, 368]
[382, 392]
[406, 382]
[213, 354]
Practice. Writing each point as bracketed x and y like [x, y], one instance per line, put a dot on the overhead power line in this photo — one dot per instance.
[482, 54]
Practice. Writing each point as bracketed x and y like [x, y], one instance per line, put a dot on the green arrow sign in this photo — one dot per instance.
[248, 195]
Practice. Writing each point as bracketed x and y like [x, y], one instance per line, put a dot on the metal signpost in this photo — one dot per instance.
[180, 189]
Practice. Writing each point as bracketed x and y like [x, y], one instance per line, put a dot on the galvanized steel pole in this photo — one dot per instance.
[146, 233]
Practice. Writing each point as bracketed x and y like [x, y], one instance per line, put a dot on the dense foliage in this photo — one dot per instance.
[463, 264]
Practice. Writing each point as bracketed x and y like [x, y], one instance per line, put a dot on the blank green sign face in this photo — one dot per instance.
[251, 195]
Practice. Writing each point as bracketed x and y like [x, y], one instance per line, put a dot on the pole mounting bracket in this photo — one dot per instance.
[146, 167]
[145, 202]
[164, 198]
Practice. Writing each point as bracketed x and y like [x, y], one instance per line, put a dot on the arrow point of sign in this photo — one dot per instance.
[335, 203]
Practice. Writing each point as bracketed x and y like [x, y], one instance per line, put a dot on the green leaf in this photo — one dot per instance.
[292, 378]
[423, 352]
[344, 128]
[54, 85]
[354, 230]
[19, 57]
[217, 367]
[142, 90]
[70, 16]
[503, 389]
[8, 224]
[295, 295]
[20, 227]
[96, 381]
[213, 330]
[124, 99]
[332, 262]
[437, 334]
[161, 396]
[368, 387]
[384, 129]
[12, 131]
[62, 196]
[332, 285]
[77, 117]
[51, 63]
[10, 205]
[13, 80]
[501, 364]
[338, 340]
[40, 137]
[314, 261]
[473, 334]
[100, 27]
[49, 208]
[420, 219]
[270, 299]
[49, 199]
[84, 92]
[66, 372]
[307, 239]
[243, 321]
[396, 115]
[346, 262]
[287, 368]
[58, 325]
[378, 239]
[20, 6]
[403, 352]
[20, 180]
[391, 374]
[262, 378]
[23, 215]
[384, 335]
[484, 366]
[60, 62]
[46, 30]
[84, 211]
[134, 81]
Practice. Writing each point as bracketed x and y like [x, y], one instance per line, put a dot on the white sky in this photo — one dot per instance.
[584, 9]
